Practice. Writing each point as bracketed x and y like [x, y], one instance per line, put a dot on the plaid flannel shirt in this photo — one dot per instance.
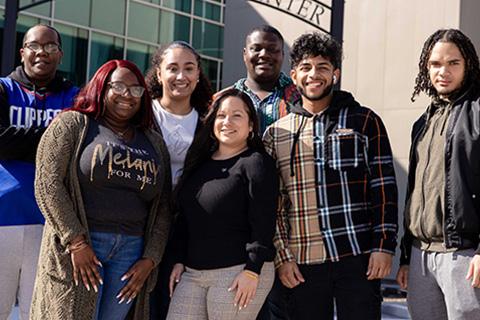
[275, 105]
[342, 197]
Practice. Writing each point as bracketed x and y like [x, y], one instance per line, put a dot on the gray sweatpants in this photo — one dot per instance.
[19, 250]
[437, 288]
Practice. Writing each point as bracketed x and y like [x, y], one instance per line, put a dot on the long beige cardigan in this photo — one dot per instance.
[57, 190]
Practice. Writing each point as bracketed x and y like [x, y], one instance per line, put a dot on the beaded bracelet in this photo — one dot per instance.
[250, 275]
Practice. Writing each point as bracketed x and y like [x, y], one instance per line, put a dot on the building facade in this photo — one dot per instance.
[95, 31]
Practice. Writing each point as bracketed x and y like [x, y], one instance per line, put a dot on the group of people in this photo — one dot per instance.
[274, 198]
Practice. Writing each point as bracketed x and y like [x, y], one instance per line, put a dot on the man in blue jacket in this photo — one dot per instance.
[440, 262]
[30, 97]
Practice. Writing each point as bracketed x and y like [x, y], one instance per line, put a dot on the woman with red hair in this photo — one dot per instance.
[103, 183]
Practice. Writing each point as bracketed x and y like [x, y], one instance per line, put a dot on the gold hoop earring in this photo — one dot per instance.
[212, 136]
[253, 135]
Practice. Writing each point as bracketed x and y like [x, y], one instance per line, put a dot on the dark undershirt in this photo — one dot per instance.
[227, 213]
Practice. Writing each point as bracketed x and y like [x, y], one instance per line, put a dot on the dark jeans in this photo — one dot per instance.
[344, 282]
[160, 296]
[277, 302]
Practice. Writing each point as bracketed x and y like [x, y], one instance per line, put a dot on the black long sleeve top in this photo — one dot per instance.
[227, 213]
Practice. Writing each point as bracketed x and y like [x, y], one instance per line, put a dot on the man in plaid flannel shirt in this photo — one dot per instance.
[337, 219]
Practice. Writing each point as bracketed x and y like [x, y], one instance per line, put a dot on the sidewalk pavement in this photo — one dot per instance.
[394, 306]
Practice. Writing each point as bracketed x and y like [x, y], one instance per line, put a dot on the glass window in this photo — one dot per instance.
[103, 49]
[220, 84]
[41, 9]
[140, 54]
[207, 10]
[2, 3]
[108, 15]
[180, 5]
[174, 27]
[23, 24]
[210, 67]
[74, 11]
[208, 38]
[150, 1]
[75, 51]
[143, 22]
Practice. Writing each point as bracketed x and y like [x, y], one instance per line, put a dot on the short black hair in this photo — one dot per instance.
[267, 29]
[46, 26]
[315, 44]
[471, 78]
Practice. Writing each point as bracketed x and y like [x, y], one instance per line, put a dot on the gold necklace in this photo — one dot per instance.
[120, 134]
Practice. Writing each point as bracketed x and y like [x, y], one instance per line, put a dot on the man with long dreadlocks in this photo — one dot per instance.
[440, 262]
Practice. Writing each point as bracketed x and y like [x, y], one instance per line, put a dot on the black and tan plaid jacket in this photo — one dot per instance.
[338, 192]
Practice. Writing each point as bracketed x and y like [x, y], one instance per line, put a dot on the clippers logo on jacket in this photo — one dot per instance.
[29, 108]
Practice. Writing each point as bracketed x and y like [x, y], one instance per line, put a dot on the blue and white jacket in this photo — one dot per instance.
[25, 112]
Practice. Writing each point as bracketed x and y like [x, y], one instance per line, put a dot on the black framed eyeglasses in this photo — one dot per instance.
[47, 47]
[120, 88]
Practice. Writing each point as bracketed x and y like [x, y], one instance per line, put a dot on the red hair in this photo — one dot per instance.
[89, 100]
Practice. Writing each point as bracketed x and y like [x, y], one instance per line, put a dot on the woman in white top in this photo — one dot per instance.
[181, 96]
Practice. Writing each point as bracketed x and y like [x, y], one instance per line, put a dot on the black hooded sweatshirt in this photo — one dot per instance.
[18, 143]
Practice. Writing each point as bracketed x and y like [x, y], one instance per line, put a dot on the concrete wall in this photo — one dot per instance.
[382, 44]
[469, 23]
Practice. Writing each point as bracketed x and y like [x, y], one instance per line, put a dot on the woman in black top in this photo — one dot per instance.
[227, 199]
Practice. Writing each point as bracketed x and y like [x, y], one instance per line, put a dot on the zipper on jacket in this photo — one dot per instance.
[445, 209]
[409, 191]
[423, 183]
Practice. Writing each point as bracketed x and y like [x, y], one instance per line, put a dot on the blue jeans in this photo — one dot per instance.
[117, 253]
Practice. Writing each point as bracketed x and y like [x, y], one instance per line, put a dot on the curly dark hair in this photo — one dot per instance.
[463, 43]
[315, 44]
[201, 96]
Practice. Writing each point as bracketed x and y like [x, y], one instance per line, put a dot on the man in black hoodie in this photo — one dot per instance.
[29, 99]
[337, 222]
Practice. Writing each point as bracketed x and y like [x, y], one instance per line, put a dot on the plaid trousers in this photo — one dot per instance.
[203, 294]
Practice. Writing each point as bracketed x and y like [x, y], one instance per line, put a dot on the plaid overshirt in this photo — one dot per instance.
[342, 197]
[275, 105]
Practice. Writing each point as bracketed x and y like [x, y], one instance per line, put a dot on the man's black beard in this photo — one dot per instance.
[325, 93]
